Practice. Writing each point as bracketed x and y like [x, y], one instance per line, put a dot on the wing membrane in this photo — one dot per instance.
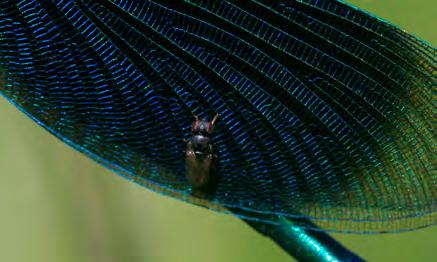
[326, 112]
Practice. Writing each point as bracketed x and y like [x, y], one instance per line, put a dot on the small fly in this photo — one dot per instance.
[201, 159]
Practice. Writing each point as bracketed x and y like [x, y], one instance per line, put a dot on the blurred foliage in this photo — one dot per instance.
[57, 205]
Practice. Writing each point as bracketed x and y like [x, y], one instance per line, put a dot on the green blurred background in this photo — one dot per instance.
[57, 205]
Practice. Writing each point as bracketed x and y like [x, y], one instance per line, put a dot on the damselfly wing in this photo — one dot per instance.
[326, 112]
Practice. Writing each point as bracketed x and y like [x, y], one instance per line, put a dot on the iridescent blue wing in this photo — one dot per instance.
[326, 112]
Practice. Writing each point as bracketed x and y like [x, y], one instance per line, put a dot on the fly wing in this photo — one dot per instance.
[325, 111]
